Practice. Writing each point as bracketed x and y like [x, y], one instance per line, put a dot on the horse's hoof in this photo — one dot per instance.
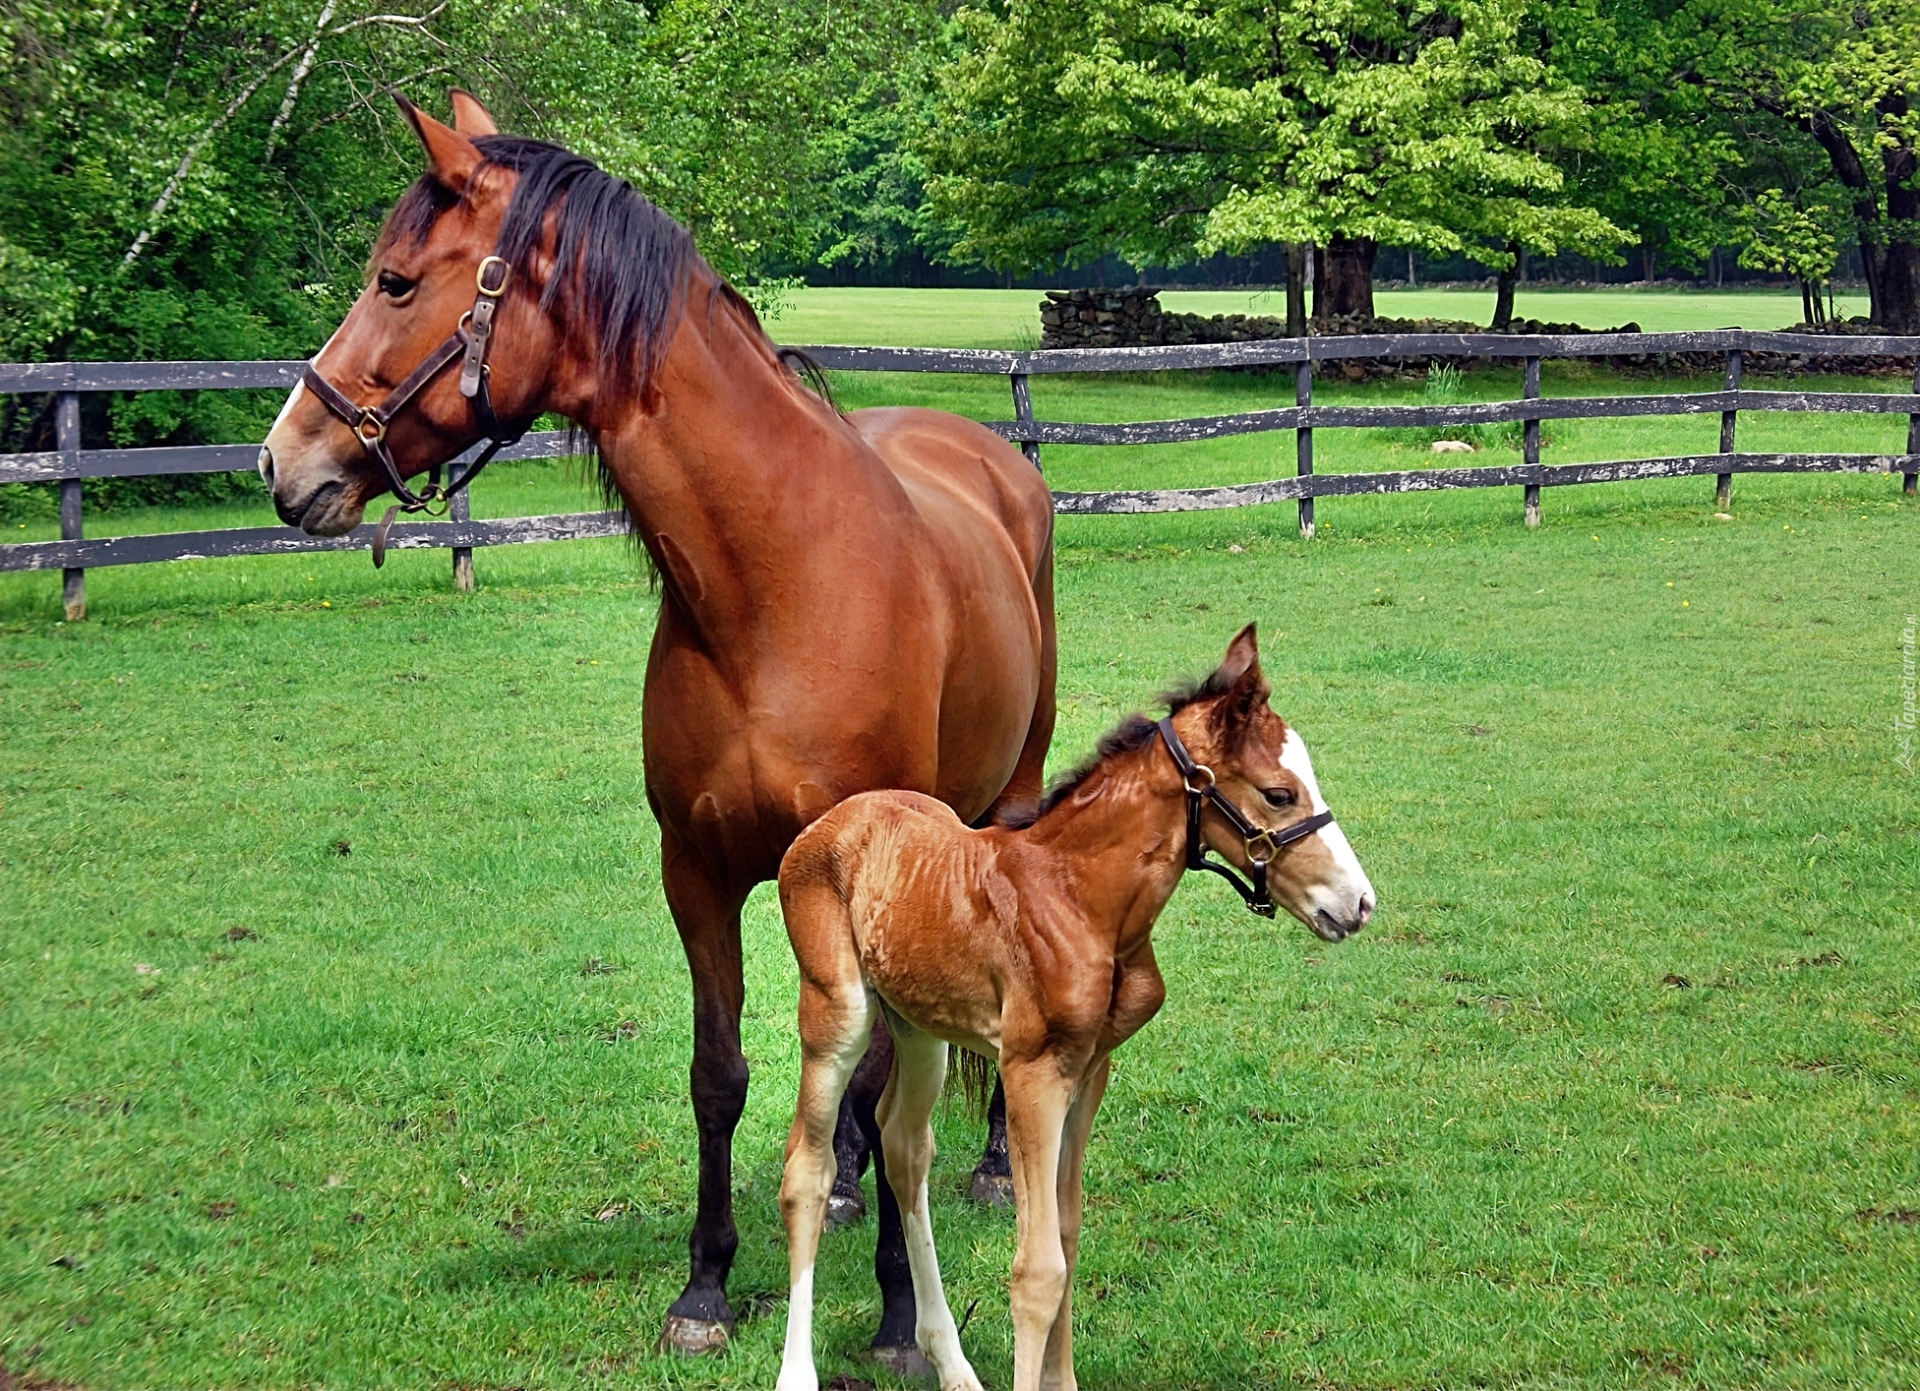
[908, 1363]
[693, 1337]
[992, 1190]
[844, 1209]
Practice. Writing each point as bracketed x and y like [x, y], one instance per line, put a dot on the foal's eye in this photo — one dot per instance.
[395, 286]
[1277, 796]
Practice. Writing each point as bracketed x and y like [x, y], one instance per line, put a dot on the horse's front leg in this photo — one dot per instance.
[707, 915]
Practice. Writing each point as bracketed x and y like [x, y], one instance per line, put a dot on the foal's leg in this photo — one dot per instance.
[1056, 1371]
[1038, 1099]
[834, 1024]
[707, 915]
[906, 1130]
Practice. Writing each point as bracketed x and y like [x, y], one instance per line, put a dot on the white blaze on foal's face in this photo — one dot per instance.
[1319, 879]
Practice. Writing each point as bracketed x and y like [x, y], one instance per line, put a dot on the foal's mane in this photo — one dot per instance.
[1134, 732]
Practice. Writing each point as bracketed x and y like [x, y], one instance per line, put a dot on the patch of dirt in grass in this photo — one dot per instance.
[31, 1381]
[1899, 1217]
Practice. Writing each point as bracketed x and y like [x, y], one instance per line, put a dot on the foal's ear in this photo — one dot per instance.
[451, 157]
[1247, 685]
[470, 118]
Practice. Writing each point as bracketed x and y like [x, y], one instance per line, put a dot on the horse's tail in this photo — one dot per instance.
[976, 1075]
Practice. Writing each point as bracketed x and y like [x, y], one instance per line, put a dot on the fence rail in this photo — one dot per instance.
[67, 464]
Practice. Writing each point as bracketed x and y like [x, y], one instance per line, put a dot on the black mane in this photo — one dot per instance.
[628, 260]
[1134, 732]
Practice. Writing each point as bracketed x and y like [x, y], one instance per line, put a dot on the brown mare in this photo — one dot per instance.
[1029, 942]
[849, 601]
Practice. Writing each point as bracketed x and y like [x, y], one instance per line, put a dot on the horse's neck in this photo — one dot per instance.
[738, 479]
[1121, 841]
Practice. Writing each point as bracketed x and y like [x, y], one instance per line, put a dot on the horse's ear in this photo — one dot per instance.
[1247, 685]
[451, 157]
[470, 118]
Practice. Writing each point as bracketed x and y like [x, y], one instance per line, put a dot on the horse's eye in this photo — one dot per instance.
[395, 286]
[1277, 796]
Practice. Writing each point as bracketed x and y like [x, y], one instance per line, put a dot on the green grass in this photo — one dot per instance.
[1010, 318]
[1491, 1141]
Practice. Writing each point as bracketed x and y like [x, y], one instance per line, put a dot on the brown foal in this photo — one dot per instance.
[1029, 943]
[847, 601]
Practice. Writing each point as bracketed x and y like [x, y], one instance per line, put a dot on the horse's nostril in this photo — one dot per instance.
[1366, 909]
[265, 465]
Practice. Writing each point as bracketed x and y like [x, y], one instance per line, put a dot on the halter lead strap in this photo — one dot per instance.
[1262, 844]
[469, 341]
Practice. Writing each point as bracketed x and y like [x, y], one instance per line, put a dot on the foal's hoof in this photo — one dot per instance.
[992, 1190]
[844, 1209]
[693, 1337]
[907, 1363]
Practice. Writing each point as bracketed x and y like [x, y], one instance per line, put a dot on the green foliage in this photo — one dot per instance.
[203, 178]
[1791, 240]
[1164, 131]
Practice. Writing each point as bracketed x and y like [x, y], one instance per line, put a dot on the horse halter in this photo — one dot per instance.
[1262, 844]
[471, 337]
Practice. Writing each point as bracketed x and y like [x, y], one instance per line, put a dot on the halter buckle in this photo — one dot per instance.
[1262, 848]
[1199, 779]
[480, 277]
[379, 432]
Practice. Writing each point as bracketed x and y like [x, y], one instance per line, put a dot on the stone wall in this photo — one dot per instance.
[1133, 318]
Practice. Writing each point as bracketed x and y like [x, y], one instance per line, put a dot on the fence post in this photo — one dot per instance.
[1023, 410]
[1530, 441]
[1913, 433]
[458, 510]
[1303, 441]
[66, 438]
[1723, 483]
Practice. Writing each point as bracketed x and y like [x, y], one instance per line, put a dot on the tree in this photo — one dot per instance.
[1165, 131]
[202, 178]
[1776, 87]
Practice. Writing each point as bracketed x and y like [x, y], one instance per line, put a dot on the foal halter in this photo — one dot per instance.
[470, 338]
[1262, 844]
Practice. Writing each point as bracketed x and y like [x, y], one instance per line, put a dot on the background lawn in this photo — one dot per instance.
[344, 1034]
[1010, 318]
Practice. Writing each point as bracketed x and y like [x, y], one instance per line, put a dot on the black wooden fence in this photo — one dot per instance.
[68, 463]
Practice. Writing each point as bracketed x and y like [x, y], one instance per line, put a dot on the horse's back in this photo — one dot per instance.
[937, 454]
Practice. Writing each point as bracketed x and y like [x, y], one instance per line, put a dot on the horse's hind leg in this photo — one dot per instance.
[906, 1111]
[893, 1344]
[836, 1018]
[708, 918]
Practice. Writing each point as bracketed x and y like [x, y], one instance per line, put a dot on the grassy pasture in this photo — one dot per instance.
[415, 1115]
[1618, 1090]
[1007, 318]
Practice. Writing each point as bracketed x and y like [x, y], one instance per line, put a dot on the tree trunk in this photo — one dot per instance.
[1900, 275]
[1343, 278]
[1296, 290]
[1503, 296]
